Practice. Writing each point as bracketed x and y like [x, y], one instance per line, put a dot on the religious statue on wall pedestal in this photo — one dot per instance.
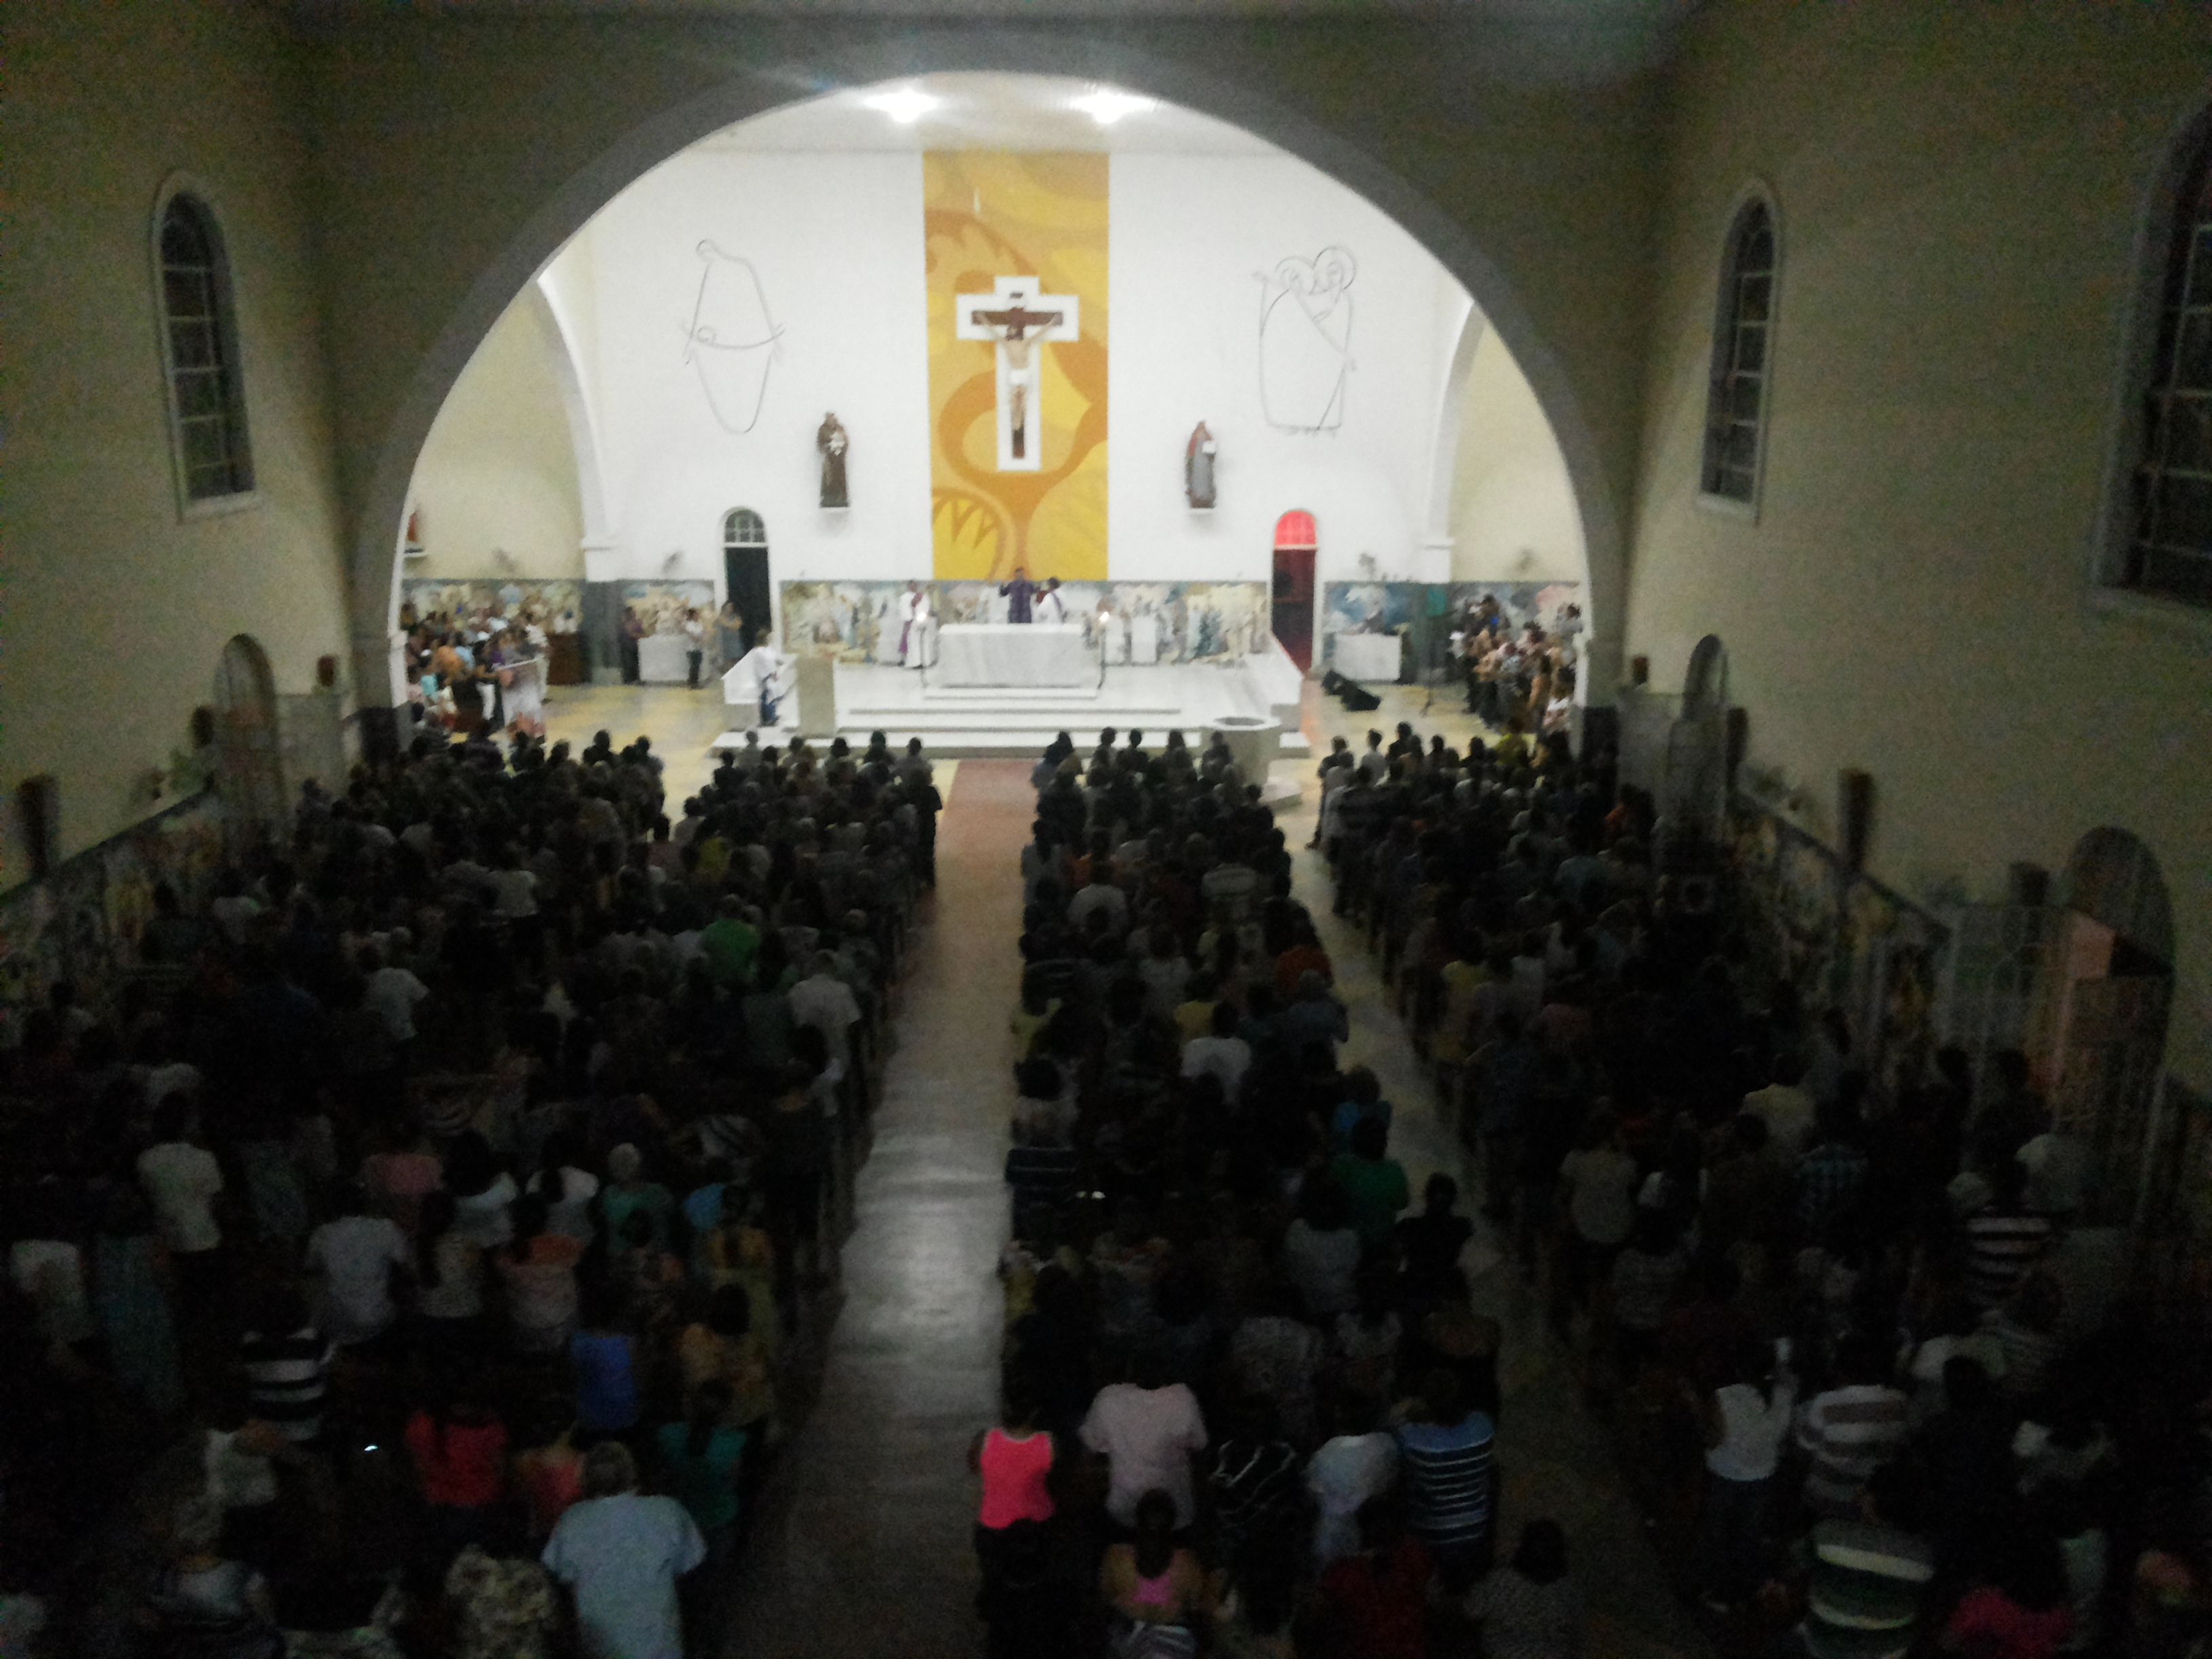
[1198, 469]
[831, 440]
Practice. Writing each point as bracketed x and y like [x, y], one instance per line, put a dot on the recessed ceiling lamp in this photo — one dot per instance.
[905, 106]
[1106, 105]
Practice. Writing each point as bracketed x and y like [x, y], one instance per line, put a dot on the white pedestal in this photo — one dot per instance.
[1369, 658]
[817, 697]
[663, 660]
[1253, 740]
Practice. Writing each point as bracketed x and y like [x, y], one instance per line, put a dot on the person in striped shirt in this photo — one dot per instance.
[1849, 1430]
[2003, 1239]
[1445, 1456]
[286, 1362]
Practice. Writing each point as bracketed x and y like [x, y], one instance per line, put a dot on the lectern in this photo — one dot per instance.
[817, 697]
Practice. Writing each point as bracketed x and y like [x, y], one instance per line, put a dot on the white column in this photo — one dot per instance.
[602, 561]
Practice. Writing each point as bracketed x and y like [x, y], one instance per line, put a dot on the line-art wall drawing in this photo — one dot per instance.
[1305, 341]
[732, 340]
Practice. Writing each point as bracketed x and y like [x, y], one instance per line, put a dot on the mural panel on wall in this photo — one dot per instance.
[661, 606]
[1843, 938]
[731, 340]
[83, 921]
[1143, 621]
[1305, 341]
[474, 601]
[1015, 252]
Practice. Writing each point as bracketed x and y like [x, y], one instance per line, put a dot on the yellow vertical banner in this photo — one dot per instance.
[1018, 473]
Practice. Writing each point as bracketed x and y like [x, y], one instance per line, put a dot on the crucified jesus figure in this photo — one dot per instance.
[1011, 329]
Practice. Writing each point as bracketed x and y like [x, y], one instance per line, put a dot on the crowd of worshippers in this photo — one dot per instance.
[411, 1256]
[485, 674]
[1247, 1402]
[1855, 1353]
[1518, 679]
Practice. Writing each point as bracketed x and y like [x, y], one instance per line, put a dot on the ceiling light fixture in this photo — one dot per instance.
[906, 106]
[1106, 105]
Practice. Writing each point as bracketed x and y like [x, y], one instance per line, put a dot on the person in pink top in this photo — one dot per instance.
[1015, 1462]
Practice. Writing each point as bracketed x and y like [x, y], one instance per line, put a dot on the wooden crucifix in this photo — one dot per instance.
[1017, 318]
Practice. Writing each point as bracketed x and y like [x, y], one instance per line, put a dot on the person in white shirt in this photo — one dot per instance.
[391, 994]
[1747, 1421]
[825, 1002]
[514, 890]
[1101, 895]
[1224, 1054]
[1148, 1430]
[1375, 764]
[1050, 608]
[356, 1257]
[1360, 1462]
[1788, 1110]
[621, 1552]
[695, 645]
[182, 1180]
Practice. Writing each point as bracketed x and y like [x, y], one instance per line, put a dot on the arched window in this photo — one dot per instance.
[744, 527]
[1296, 529]
[2170, 536]
[199, 335]
[1743, 330]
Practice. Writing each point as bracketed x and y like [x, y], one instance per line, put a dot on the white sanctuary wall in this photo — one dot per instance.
[1192, 238]
[835, 239]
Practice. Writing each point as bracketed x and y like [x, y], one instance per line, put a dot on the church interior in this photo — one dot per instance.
[705, 942]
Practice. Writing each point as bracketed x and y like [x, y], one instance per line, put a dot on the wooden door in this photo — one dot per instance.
[744, 575]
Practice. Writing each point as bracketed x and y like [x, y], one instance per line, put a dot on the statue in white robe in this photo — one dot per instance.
[1144, 638]
[1113, 630]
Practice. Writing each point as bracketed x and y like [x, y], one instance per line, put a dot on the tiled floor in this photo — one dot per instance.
[863, 1548]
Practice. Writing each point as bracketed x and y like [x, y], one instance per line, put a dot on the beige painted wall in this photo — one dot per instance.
[499, 473]
[114, 608]
[1959, 189]
[1513, 512]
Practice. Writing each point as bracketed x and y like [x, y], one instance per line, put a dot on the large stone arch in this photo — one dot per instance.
[379, 478]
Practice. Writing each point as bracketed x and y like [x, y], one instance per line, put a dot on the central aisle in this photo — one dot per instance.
[863, 1546]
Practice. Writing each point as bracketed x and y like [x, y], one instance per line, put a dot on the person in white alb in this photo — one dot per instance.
[1050, 608]
[917, 620]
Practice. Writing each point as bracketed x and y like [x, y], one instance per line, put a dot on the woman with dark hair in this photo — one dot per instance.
[1014, 1460]
[1532, 1610]
[481, 1191]
[1154, 1587]
[449, 1299]
[1374, 1601]
[539, 1271]
[701, 1460]
[549, 1470]
[726, 1347]
[1445, 1449]
[797, 1164]
[2018, 1610]
[606, 1359]
[458, 1447]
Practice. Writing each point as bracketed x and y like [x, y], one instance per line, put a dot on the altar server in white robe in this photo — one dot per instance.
[759, 679]
[1050, 608]
[917, 624]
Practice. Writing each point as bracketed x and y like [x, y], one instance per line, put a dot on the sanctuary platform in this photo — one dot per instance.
[972, 722]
